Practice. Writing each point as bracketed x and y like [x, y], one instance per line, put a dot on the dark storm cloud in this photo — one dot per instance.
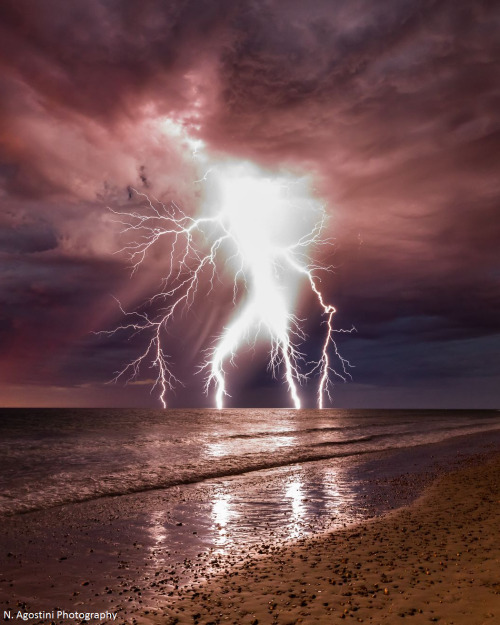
[391, 107]
[332, 70]
[44, 304]
[103, 58]
[27, 239]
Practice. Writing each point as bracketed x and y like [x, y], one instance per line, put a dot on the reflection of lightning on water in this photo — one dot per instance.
[294, 492]
[222, 514]
[252, 235]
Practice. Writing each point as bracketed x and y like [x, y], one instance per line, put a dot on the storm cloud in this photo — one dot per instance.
[393, 110]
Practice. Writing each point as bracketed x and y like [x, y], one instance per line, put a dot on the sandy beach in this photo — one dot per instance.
[378, 536]
[437, 560]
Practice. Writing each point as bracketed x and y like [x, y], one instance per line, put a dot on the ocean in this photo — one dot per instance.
[51, 457]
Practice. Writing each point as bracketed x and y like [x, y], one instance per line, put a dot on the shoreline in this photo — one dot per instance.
[103, 481]
[103, 555]
[436, 560]
[359, 457]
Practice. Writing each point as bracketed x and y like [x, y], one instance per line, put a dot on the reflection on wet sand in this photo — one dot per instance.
[222, 514]
[226, 517]
[315, 500]
[157, 530]
[294, 493]
[333, 495]
[234, 514]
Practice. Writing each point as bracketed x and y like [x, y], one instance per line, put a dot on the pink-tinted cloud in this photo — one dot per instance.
[392, 108]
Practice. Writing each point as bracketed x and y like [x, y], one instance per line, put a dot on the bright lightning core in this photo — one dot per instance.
[259, 229]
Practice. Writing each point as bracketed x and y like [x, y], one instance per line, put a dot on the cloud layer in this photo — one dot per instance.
[392, 107]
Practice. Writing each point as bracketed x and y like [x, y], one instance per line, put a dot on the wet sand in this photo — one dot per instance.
[178, 553]
[437, 560]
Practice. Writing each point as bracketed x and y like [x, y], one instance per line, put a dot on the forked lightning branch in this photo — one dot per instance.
[261, 231]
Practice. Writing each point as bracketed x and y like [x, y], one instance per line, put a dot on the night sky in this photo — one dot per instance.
[392, 108]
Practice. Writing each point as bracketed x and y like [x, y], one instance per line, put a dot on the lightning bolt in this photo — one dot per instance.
[255, 235]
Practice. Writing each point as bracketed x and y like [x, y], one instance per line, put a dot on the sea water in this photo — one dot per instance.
[51, 457]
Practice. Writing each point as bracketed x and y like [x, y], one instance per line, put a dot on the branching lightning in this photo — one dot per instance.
[249, 231]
